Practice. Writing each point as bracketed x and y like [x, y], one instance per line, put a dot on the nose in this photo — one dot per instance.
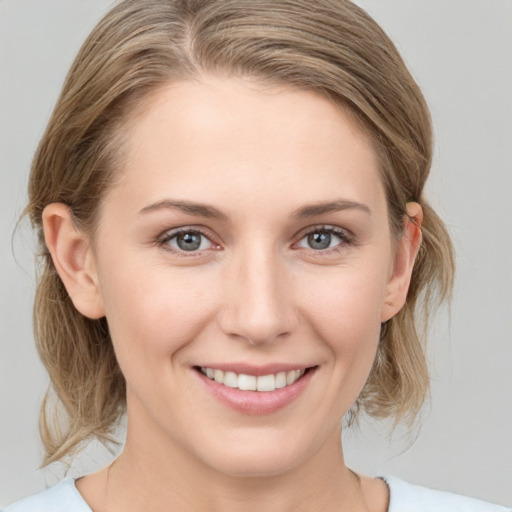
[258, 305]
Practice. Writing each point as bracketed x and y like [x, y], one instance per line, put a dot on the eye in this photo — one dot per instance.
[325, 238]
[186, 240]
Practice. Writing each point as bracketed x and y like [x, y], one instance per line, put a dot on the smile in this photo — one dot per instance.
[256, 390]
[247, 382]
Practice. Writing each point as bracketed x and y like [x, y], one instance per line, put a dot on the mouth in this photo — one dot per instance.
[256, 390]
[247, 382]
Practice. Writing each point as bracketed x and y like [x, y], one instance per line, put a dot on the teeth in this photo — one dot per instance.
[292, 376]
[231, 380]
[266, 383]
[218, 375]
[280, 380]
[251, 382]
[247, 382]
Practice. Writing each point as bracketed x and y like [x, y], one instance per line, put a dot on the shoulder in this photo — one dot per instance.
[406, 497]
[63, 497]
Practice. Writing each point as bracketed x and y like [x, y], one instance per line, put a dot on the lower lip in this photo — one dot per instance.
[257, 403]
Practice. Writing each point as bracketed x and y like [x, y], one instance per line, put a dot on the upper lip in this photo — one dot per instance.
[256, 370]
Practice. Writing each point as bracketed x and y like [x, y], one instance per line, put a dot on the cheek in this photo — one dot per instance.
[344, 314]
[347, 318]
[345, 307]
[155, 312]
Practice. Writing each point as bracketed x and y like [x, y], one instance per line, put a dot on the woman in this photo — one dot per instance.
[229, 198]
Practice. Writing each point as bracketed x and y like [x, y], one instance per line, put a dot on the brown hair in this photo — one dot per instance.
[330, 46]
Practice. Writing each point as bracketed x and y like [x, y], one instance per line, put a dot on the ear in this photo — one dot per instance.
[73, 259]
[405, 255]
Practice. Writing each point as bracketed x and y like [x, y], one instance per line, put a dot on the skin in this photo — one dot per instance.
[256, 292]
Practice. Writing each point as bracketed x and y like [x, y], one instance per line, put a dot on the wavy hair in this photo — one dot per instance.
[329, 46]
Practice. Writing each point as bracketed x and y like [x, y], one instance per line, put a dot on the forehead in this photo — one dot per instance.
[234, 135]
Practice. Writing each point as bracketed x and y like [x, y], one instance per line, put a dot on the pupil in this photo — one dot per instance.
[189, 241]
[319, 240]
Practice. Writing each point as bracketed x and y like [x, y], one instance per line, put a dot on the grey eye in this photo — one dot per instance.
[319, 240]
[189, 241]
[322, 239]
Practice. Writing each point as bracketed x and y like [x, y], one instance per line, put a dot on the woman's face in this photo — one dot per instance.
[246, 238]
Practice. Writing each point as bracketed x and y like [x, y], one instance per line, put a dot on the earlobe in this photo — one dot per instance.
[406, 251]
[73, 259]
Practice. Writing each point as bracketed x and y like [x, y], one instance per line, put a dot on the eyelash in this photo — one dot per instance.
[346, 239]
[164, 239]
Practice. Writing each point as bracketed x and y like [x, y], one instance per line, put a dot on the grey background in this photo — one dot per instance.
[460, 51]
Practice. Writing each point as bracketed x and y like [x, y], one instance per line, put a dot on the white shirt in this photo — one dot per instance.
[404, 497]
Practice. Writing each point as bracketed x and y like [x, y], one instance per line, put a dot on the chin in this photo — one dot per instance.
[257, 465]
[248, 459]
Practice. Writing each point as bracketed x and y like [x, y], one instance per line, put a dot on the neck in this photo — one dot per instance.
[158, 472]
[143, 478]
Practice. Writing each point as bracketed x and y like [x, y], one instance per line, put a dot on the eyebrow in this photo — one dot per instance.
[316, 209]
[210, 212]
[189, 207]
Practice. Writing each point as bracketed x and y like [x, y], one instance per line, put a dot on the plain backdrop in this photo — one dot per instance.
[460, 51]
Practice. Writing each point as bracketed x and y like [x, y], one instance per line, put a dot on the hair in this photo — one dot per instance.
[329, 46]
